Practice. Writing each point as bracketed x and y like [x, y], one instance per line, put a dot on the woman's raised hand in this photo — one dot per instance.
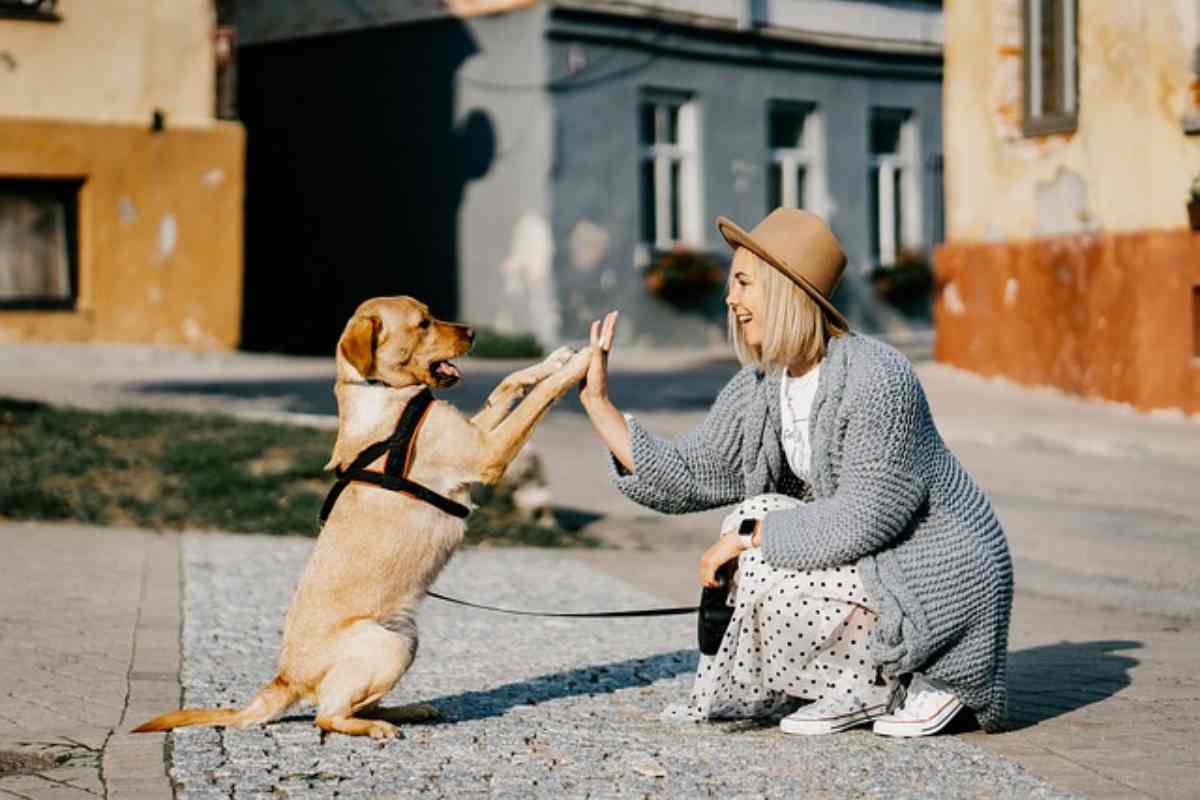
[595, 384]
[593, 393]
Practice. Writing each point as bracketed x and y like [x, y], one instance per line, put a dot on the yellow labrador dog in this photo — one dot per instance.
[350, 633]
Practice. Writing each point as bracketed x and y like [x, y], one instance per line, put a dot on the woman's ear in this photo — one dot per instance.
[357, 344]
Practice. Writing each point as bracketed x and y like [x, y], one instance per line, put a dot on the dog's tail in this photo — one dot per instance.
[271, 701]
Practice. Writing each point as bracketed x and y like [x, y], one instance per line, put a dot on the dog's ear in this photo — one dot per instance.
[358, 341]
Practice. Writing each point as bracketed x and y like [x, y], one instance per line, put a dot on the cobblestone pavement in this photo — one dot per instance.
[530, 707]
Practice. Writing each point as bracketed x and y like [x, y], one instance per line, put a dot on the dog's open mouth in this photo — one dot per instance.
[445, 373]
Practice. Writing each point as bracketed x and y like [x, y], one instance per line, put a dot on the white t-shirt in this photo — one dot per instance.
[796, 397]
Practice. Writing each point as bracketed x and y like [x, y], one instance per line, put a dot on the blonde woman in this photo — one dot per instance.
[873, 580]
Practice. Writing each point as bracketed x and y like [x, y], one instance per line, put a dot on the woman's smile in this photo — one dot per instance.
[744, 299]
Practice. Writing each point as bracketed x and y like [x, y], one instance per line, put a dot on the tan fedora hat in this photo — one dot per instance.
[799, 244]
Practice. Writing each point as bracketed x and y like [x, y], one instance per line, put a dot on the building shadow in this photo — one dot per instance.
[355, 170]
[667, 390]
[1048, 681]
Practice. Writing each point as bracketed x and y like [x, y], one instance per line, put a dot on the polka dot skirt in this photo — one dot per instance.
[793, 635]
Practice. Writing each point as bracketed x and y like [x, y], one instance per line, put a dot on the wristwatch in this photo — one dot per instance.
[746, 532]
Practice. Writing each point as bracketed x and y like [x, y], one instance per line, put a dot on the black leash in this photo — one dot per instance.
[645, 612]
[398, 448]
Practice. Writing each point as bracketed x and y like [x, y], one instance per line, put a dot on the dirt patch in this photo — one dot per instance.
[273, 461]
[15, 762]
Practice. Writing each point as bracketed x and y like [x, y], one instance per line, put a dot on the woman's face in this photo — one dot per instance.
[745, 298]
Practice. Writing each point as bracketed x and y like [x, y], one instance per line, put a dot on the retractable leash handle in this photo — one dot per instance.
[640, 612]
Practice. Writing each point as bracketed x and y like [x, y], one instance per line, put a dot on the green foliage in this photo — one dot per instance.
[171, 470]
[490, 343]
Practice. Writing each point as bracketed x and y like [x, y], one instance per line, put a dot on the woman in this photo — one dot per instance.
[875, 580]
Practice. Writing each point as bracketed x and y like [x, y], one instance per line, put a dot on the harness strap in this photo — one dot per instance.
[399, 450]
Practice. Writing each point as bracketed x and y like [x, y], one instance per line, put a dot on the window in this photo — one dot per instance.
[38, 260]
[1051, 67]
[45, 10]
[796, 174]
[671, 210]
[895, 183]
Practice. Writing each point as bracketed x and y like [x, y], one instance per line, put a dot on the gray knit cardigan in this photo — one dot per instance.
[886, 495]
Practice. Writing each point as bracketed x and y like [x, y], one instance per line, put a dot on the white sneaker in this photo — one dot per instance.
[839, 712]
[927, 708]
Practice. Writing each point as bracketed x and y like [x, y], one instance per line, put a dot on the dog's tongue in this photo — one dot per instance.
[444, 369]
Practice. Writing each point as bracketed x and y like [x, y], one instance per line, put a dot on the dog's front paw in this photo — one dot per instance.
[578, 364]
[558, 358]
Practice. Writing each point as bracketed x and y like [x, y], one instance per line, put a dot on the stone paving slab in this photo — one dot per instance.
[530, 708]
[89, 620]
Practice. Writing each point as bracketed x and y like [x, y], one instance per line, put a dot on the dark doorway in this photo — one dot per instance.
[354, 173]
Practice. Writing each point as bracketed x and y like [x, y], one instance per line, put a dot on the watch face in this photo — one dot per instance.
[747, 526]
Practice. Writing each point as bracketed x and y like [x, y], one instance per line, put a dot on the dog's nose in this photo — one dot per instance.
[470, 334]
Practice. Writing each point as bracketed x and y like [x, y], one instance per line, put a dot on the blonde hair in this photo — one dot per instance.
[795, 329]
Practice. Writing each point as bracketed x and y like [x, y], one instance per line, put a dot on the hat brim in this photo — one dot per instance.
[737, 237]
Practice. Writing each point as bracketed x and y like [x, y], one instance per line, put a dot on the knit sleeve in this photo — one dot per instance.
[698, 471]
[880, 488]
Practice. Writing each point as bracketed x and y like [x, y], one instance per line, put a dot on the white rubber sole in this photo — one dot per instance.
[827, 725]
[889, 726]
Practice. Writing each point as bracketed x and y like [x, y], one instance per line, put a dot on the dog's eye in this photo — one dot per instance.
[423, 323]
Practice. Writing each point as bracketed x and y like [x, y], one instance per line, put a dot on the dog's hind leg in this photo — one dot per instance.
[371, 659]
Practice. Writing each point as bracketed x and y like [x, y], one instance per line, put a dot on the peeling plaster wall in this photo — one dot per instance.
[1129, 153]
[160, 231]
[1069, 262]
[506, 246]
[116, 60]
[1101, 315]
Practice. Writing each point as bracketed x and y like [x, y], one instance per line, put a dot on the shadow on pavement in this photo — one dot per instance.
[674, 388]
[589, 680]
[669, 390]
[1051, 680]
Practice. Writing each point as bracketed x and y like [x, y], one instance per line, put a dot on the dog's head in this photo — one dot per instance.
[396, 340]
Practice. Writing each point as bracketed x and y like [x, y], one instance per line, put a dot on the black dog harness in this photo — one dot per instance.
[399, 449]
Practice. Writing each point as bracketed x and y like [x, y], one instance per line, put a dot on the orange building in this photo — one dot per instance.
[120, 191]
[1070, 134]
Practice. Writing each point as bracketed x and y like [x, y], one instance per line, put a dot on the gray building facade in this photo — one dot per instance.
[578, 141]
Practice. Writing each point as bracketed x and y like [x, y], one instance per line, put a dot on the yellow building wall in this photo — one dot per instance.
[160, 230]
[1136, 83]
[111, 60]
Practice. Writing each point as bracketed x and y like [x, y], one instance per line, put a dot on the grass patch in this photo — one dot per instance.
[171, 470]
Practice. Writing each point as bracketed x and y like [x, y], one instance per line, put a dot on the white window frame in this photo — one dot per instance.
[905, 161]
[685, 152]
[811, 156]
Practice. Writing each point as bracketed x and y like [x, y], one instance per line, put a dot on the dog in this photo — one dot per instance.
[350, 633]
